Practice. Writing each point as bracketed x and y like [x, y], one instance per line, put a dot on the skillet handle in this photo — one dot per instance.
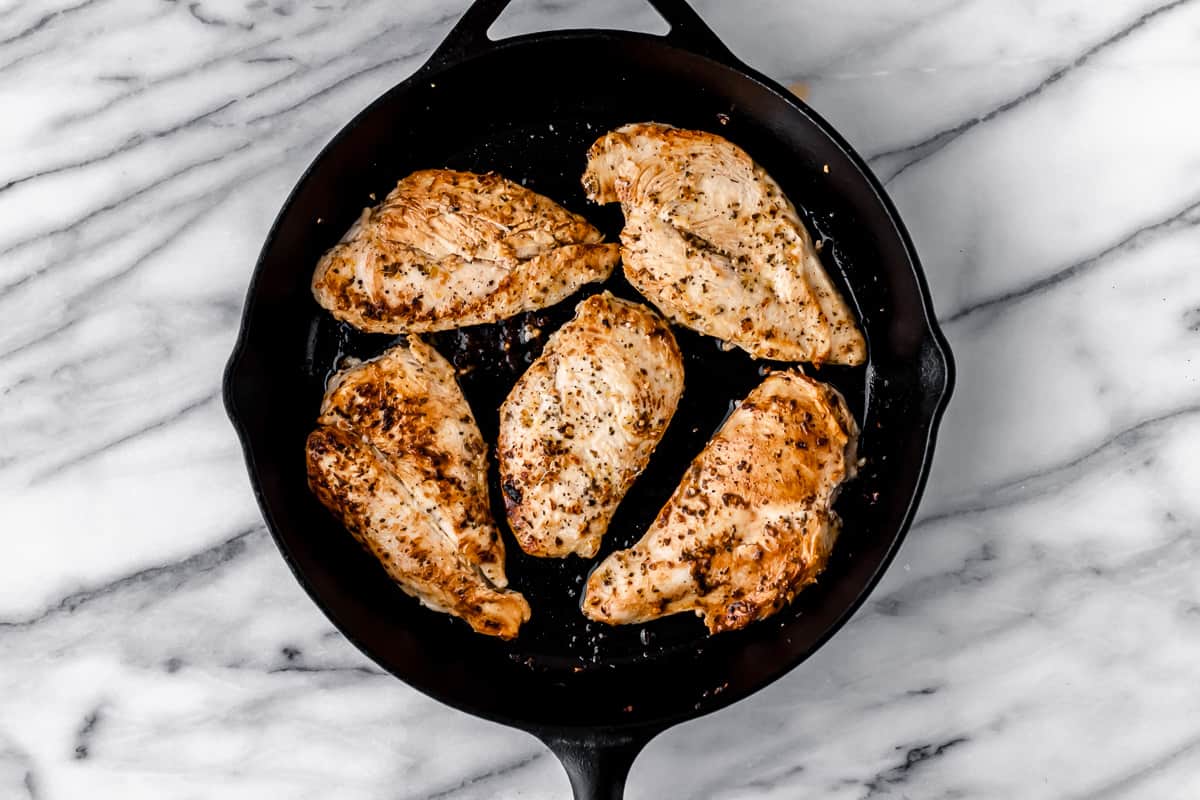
[597, 761]
[469, 34]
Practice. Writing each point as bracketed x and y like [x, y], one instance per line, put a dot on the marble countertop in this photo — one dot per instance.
[1038, 635]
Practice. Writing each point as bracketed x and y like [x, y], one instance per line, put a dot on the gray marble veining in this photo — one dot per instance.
[1039, 634]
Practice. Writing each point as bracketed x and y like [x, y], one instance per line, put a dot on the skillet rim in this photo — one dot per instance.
[930, 418]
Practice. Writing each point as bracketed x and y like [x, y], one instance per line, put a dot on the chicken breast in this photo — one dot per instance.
[397, 456]
[750, 524]
[711, 240]
[581, 423]
[447, 249]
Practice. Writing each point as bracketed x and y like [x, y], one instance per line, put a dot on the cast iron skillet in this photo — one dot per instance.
[528, 107]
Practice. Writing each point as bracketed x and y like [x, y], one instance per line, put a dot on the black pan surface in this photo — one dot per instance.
[529, 108]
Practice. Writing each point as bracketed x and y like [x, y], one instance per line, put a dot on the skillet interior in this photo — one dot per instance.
[509, 110]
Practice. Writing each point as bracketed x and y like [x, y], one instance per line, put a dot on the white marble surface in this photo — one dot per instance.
[1039, 634]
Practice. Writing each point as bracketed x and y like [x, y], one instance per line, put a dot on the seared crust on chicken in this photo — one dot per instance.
[581, 423]
[750, 524]
[712, 241]
[446, 249]
[398, 458]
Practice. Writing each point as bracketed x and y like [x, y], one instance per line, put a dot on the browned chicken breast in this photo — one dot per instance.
[398, 457]
[750, 524]
[711, 240]
[581, 423]
[447, 249]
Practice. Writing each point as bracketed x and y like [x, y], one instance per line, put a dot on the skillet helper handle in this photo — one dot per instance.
[469, 34]
[597, 762]
[690, 32]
